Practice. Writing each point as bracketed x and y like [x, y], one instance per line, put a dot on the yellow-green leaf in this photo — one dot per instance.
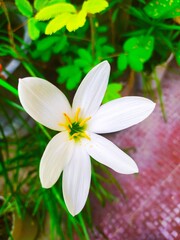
[57, 23]
[95, 6]
[39, 4]
[76, 21]
[54, 10]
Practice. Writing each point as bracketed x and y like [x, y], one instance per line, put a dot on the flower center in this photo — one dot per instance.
[76, 127]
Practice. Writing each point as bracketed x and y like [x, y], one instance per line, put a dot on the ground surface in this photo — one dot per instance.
[152, 210]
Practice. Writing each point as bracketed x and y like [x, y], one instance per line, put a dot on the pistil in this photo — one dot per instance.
[75, 127]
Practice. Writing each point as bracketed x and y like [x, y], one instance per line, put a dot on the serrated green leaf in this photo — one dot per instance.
[135, 63]
[60, 44]
[54, 10]
[73, 83]
[162, 9]
[46, 43]
[94, 6]
[106, 50]
[24, 7]
[112, 92]
[46, 56]
[81, 63]
[33, 30]
[85, 55]
[70, 74]
[122, 62]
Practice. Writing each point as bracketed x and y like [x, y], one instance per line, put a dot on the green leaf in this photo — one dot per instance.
[33, 30]
[102, 29]
[60, 44]
[163, 9]
[71, 75]
[72, 83]
[94, 6]
[112, 92]
[122, 62]
[7, 86]
[106, 50]
[135, 63]
[54, 10]
[130, 44]
[82, 63]
[138, 51]
[46, 56]
[175, 13]
[24, 7]
[177, 56]
[46, 43]
[85, 55]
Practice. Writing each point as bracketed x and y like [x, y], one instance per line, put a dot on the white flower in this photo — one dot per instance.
[70, 150]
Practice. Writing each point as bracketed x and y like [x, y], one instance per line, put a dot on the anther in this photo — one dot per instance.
[68, 119]
[77, 114]
[84, 121]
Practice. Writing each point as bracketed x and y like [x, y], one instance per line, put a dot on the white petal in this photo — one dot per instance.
[120, 114]
[76, 180]
[105, 152]
[43, 101]
[55, 157]
[91, 91]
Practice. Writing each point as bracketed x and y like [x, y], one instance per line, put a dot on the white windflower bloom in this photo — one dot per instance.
[70, 150]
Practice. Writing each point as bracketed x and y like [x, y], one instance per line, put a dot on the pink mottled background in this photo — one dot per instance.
[151, 210]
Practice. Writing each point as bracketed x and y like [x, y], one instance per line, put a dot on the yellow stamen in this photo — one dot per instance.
[68, 119]
[77, 114]
[85, 135]
[84, 121]
[74, 135]
[65, 126]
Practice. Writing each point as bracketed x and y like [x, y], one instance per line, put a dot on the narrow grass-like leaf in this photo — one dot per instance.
[9, 87]
[83, 225]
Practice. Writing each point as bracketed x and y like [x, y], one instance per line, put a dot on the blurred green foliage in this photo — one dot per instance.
[135, 35]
